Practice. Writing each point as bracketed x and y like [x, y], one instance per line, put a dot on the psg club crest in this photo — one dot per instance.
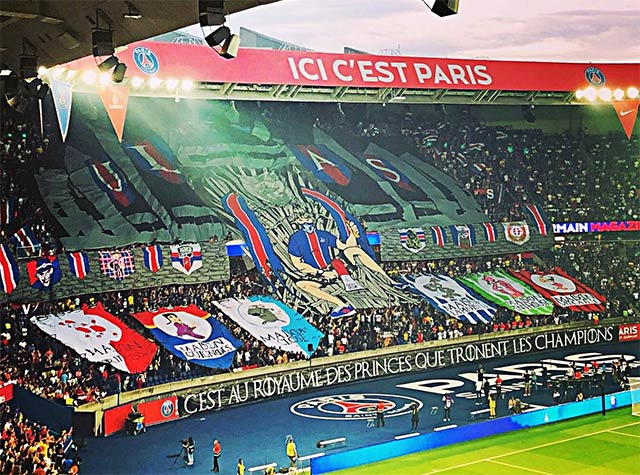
[594, 76]
[187, 258]
[44, 273]
[146, 60]
[517, 232]
[412, 239]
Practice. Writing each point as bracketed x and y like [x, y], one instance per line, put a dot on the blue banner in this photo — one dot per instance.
[192, 335]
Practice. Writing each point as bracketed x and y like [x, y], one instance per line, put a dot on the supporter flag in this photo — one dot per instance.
[187, 258]
[341, 218]
[273, 323]
[192, 335]
[439, 235]
[490, 232]
[563, 290]
[62, 97]
[26, 243]
[505, 290]
[7, 211]
[517, 232]
[450, 297]
[542, 223]
[44, 273]
[117, 264]
[78, 264]
[153, 257]
[9, 271]
[255, 237]
[413, 239]
[98, 336]
[463, 235]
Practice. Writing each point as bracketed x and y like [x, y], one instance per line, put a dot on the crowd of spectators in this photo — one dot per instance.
[556, 170]
[31, 448]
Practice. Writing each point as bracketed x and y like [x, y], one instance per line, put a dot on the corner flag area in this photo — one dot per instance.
[608, 445]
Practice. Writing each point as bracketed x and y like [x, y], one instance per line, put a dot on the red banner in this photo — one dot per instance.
[115, 100]
[258, 66]
[563, 290]
[155, 412]
[629, 332]
[6, 393]
[627, 112]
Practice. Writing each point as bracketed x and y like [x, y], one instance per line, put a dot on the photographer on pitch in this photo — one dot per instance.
[189, 448]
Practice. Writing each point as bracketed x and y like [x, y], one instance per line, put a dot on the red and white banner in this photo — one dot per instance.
[627, 113]
[563, 290]
[6, 393]
[629, 332]
[98, 336]
[115, 99]
[201, 63]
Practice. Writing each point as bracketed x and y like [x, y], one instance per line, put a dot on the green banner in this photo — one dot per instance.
[509, 292]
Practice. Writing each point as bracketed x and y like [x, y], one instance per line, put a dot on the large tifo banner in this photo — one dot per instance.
[450, 297]
[507, 291]
[563, 290]
[100, 337]
[273, 323]
[192, 334]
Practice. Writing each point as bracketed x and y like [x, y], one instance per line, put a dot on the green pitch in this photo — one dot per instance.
[591, 445]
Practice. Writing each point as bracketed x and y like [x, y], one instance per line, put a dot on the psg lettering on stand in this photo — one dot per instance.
[229, 394]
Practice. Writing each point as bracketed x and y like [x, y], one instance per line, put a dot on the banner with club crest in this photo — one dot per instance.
[273, 323]
[563, 290]
[507, 291]
[192, 335]
[450, 297]
[98, 336]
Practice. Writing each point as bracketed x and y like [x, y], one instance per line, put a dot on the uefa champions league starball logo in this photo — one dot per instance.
[146, 60]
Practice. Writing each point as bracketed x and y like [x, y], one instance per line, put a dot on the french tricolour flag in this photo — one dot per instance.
[152, 257]
[9, 271]
[78, 264]
[439, 235]
[490, 232]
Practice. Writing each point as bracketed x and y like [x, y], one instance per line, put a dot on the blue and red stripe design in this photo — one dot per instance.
[9, 271]
[542, 223]
[152, 257]
[255, 235]
[490, 232]
[25, 242]
[78, 264]
[439, 235]
[341, 217]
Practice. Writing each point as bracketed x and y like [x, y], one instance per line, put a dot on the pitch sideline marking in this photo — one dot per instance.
[519, 467]
[548, 444]
[624, 433]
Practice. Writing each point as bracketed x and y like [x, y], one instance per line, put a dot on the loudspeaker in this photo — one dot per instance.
[445, 7]
[102, 42]
[218, 36]
[230, 47]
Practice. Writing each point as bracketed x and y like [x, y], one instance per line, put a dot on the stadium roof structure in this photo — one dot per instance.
[260, 74]
[58, 31]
